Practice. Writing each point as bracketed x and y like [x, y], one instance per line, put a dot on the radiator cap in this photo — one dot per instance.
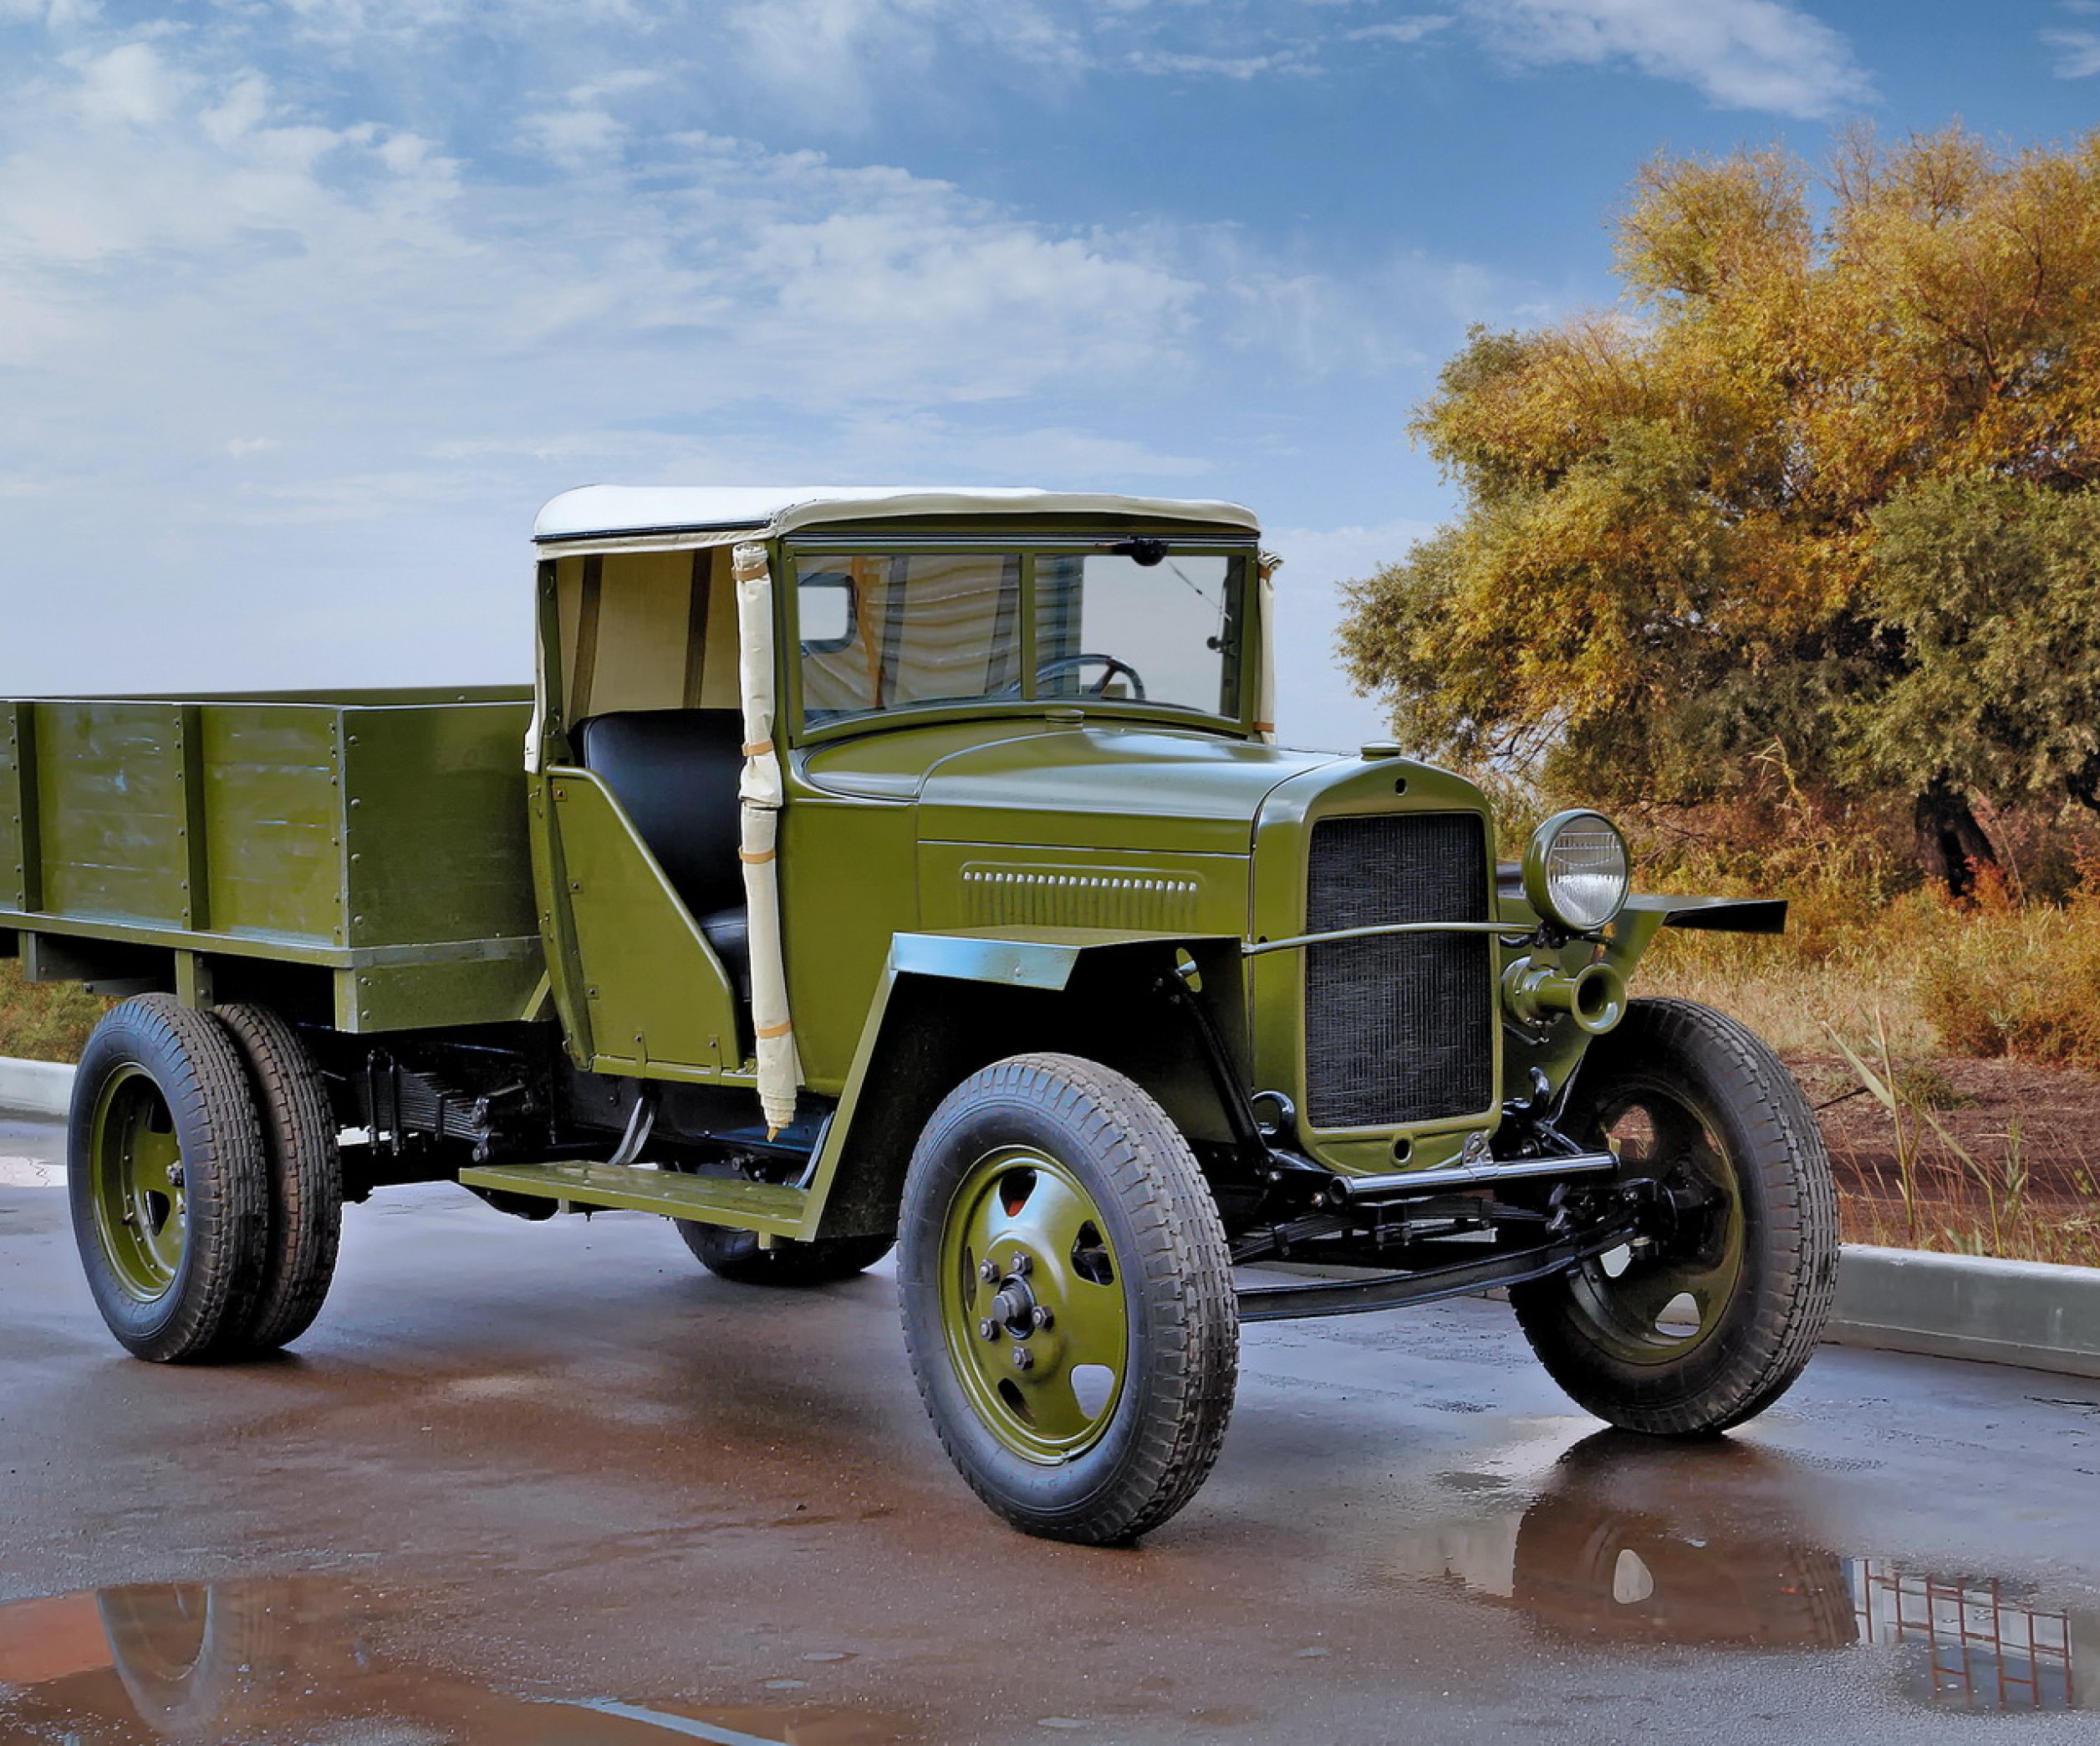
[1380, 748]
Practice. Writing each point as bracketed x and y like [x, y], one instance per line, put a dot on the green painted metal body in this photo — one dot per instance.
[1008, 868]
[376, 838]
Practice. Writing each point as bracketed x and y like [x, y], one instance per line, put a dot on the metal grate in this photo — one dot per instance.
[1398, 1028]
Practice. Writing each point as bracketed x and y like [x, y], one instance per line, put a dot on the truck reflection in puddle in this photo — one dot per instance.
[1622, 1544]
[297, 1660]
[1632, 1541]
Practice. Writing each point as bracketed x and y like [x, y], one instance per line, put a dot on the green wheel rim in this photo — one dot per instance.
[1031, 1299]
[135, 1185]
[1664, 1296]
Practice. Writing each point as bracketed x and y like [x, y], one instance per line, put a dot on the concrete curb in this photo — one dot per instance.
[2026, 1313]
[35, 1088]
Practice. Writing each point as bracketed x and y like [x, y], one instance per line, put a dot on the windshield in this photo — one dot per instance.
[893, 631]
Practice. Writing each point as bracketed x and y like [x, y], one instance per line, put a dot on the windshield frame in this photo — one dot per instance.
[1241, 669]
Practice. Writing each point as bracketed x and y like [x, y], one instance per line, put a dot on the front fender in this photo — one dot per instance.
[948, 1003]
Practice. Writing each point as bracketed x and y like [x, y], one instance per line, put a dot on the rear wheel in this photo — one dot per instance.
[305, 1175]
[1067, 1299]
[1708, 1316]
[732, 1254]
[167, 1178]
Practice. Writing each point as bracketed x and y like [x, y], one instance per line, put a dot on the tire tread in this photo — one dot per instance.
[1800, 1282]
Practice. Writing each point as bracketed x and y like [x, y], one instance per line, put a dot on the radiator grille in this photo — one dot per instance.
[1398, 1028]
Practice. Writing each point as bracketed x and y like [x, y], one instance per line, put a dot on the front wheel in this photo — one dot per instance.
[1708, 1316]
[1067, 1299]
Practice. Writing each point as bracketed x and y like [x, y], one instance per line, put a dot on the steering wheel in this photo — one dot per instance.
[1111, 666]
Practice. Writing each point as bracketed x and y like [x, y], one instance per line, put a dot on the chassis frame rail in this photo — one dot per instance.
[1426, 1285]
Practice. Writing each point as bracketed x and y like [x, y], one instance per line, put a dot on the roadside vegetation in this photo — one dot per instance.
[44, 1022]
[1951, 1046]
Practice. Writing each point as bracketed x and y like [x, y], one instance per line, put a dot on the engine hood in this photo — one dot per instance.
[1080, 786]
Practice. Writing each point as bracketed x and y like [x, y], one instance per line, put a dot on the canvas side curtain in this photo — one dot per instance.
[759, 795]
[1264, 682]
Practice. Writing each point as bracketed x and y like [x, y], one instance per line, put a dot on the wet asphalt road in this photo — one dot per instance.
[554, 1483]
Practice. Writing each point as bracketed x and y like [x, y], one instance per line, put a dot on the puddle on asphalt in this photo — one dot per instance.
[311, 1660]
[1633, 1542]
[1619, 1544]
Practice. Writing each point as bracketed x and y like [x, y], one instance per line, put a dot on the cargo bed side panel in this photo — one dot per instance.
[273, 820]
[437, 821]
[113, 811]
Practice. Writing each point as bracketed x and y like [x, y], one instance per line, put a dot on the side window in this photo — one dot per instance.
[824, 609]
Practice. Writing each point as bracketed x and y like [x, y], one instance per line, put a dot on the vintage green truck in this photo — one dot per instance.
[914, 867]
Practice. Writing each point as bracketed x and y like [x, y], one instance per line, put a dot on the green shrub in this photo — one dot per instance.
[2020, 981]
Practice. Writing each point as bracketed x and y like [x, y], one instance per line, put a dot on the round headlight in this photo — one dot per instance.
[1575, 870]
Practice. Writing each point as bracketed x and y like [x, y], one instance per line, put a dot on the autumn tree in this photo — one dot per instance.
[1821, 492]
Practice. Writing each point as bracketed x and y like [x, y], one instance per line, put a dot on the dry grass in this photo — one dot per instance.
[1840, 964]
[1964, 1226]
[1908, 984]
[44, 1021]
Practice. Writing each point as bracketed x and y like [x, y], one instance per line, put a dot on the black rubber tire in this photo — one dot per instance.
[1768, 1331]
[305, 1175]
[1177, 1397]
[736, 1255]
[205, 1313]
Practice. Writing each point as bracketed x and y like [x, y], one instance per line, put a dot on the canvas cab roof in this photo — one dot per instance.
[673, 517]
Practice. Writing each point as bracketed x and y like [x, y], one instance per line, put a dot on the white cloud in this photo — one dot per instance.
[832, 57]
[1757, 54]
[1418, 29]
[131, 85]
[271, 347]
[2078, 51]
[570, 136]
[1241, 67]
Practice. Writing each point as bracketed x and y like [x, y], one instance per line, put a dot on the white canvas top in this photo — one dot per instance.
[659, 518]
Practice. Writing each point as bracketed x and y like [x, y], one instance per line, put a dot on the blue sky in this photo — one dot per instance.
[304, 307]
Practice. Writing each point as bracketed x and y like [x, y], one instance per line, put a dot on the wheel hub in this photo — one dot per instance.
[1014, 1307]
[137, 1186]
[1037, 1326]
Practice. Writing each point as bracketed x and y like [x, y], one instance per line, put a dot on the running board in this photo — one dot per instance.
[744, 1205]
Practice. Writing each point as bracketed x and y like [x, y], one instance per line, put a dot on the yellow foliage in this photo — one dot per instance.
[1668, 558]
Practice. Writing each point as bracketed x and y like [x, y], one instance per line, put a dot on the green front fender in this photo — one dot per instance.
[948, 1003]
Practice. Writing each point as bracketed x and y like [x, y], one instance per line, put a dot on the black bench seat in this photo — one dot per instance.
[674, 772]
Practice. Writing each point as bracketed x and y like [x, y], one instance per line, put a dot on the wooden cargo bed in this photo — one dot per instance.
[375, 840]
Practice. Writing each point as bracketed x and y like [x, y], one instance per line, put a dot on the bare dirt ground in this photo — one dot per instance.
[2033, 1134]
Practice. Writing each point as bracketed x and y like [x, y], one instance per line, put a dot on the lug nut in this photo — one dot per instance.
[1041, 1316]
[175, 1176]
[988, 1328]
[988, 1271]
[1023, 1359]
[1022, 1266]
